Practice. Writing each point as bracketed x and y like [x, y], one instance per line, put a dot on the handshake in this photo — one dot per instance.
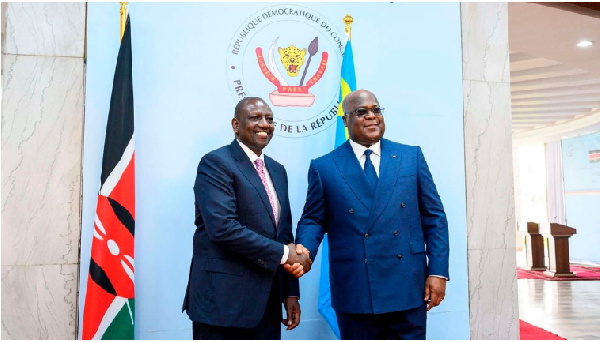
[298, 261]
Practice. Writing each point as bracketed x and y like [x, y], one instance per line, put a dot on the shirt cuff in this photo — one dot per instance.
[438, 276]
[286, 252]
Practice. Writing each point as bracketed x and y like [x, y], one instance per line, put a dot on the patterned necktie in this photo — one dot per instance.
[370, 171]
[260, 168]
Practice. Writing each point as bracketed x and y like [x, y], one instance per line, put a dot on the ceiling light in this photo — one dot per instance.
[585, 43]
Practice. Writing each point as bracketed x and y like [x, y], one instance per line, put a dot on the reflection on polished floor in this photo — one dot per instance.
[570, 309]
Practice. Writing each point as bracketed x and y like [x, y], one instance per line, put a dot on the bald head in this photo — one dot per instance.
[351, 100]
[364, 125]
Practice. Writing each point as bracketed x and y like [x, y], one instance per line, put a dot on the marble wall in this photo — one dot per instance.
[42, 134]
[491, 251]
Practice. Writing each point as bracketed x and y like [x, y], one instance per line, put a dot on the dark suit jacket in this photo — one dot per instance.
[378, 242]
[237, 247]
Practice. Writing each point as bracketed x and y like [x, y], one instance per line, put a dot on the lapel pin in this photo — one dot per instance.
[393, 156]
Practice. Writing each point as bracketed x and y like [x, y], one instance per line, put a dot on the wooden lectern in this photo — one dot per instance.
[534, 246]
[558, 248]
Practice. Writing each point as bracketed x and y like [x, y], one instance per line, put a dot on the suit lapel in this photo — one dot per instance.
[353, 174]
[389, 171]
[245, 166]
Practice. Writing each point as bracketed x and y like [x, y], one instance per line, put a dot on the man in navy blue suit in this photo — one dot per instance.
[243, 236]
[388, 233]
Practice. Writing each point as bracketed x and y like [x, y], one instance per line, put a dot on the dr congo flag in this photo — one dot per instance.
[109, 300]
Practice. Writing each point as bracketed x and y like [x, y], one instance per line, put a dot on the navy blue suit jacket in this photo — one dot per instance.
[378, 242]
[237, 246]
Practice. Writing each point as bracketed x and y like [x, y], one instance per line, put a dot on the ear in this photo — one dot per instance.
[235, 124]
[281, 51]
[345, 118]
[302, 53]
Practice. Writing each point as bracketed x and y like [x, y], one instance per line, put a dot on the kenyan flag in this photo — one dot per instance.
[109, 302]
[594, 156]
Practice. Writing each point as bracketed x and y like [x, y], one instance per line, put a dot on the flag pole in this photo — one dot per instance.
[109, 308]
[348, 21]
[124, 8]
[347, 85]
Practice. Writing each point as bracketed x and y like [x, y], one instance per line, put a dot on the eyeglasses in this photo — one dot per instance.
[360, 112]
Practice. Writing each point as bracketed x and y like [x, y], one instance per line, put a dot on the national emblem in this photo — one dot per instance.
[292, 58]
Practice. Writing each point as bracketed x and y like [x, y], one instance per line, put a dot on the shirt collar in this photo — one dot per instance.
[359, 150]
[251, 153]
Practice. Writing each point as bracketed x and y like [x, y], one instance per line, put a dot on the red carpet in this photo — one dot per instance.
[583, 273]
[531, 332]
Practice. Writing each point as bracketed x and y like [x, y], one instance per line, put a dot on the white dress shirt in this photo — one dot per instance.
[253, 157]
[359, 151]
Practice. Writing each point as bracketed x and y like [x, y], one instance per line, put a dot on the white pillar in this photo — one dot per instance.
[554, 183]
[493, 306]
[42, 135]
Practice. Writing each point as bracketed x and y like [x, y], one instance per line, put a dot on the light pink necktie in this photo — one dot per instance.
[263, 177]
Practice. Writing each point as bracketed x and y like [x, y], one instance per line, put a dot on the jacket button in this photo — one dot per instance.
[399, 256]
[366, 261]
[351, 211]
[395, 232]
[366, 235]
[403, 205]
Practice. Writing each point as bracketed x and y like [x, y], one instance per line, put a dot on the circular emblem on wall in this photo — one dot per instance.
[290, 56]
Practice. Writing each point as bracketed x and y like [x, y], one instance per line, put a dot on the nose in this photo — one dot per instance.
[263, 122]
[370, 114]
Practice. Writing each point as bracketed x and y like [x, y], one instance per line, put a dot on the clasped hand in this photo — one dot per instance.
[298, 261]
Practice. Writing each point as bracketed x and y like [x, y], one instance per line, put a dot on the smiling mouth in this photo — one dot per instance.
[262, 134]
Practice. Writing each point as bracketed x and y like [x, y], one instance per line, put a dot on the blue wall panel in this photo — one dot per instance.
[408, 54]
[581, 171]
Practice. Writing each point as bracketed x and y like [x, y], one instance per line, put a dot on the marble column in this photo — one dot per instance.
[493, 306]
[42, 135]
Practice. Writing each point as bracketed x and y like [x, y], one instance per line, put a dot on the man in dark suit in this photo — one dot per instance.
[243, 236]
[388, 233]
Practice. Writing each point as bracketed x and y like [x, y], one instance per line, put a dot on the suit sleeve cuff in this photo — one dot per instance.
[438, 276]
[286, 252]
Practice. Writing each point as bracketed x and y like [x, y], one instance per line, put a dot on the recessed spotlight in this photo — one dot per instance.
[585, 43]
